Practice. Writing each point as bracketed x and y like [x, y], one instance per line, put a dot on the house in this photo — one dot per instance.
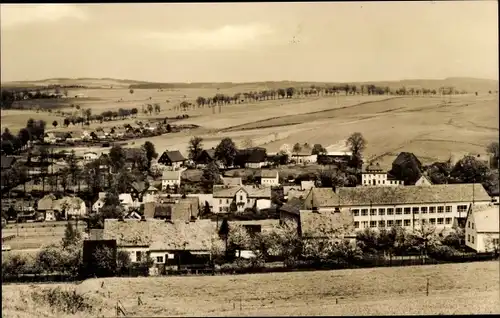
[382, 207]
[253, 226]
[306, 185]
[150, 195]
[90, 156]
[482, 228]
[172, 243]
[183, 209]
[242, 197]
[293, 191]
[205, 157]
[423, 181]
[231, 181]
[137, 189]
[374, 175]
[127, 202]
[269, 178]
[57, 136]
[46, 206]
[71, 207]
[170, 179]
[254, 157]
[304, 157]
[99, 203]
[290, 212]
[172, 159]
[7, 162]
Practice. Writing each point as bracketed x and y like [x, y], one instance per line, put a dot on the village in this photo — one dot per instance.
[168, 210]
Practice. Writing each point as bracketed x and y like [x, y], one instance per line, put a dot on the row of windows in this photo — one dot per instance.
[407, 210]
[469, 224]
[228, 200]
[470, 238]
[406, 222]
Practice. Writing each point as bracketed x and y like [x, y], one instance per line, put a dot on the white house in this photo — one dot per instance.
[306, 185]
[71, 207]
[374, 175]
[269, 178]
[127, 202]
[304, 157]
[170, 179]
[482, 228]
[99, 203]
[423, 180]
[382, 207]
[242, 196]
[90, 155]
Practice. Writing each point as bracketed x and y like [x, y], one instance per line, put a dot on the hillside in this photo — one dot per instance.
[459, 83]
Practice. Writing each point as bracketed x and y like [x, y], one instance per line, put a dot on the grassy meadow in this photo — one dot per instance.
[470, 288]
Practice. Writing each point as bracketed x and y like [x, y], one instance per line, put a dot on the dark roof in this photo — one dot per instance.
[171, 156]
[254, 155]
[7, 162]
[404, 157]
[293, 206]
[362, 196]
[131, 153]
[206, 156]
[374, 168]
[162, 211]
[316, 224]
[139, 186]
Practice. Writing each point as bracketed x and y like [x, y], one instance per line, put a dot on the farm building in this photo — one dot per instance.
[173, 159]
[177, 209]
[269, 178]
[381, 207]
[423, 181]
[90, 155]
[482, 228]
[170, 179]
[304, 157]
[231, 181]
[205, 157]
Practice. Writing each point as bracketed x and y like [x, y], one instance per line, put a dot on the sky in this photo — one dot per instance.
[244, 42]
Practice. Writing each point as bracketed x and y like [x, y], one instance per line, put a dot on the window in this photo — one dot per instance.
[383, 182]
[399, 211]
[227, 201]
[432, 209]
[381, 211]
[373, 223]
[220, 201]
[461, 208]
[440, 221]
[423, 221]
[495, 241]
[468, 237]
[415, 209]
[407, 210]
[248, 200]
[356, 224]
[468, 224]
[407, 222]
[448, 220]
[448, 209]
[390, 223]
[220, 209]
[472, 239]
[364, 212]
[355, 212]
[440, 209]
[241, 198]
[381, 223]
[138, 256]
[423, 209]
[472, 225]
[399, 222]
[159, 259]
[373, 211]
[365, 224]
[390, 211]
[432, 221]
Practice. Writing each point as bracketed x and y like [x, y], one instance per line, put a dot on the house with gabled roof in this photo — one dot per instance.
[423, 181]
[255, 157]
[375, 175]
[173, 159]
[231, 181]
[384, 207]
[269, 177]
[170, 179]
[240, 198]
[205, 157]
[482, 228]
[169, 243]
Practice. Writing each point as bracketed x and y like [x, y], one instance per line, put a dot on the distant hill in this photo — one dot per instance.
[459, 83]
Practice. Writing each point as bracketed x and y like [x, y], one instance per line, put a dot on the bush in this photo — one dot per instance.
[443, 252]
[62, 300]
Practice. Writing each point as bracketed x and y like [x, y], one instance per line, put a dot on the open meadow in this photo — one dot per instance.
[469, 288]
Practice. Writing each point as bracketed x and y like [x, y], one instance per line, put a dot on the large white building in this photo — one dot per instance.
[382, 207]
[374, 175]
[482, 228]
[243, 196]
[269, 178]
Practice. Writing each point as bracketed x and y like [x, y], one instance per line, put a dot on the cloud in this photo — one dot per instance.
[15, 15]
[224, 38]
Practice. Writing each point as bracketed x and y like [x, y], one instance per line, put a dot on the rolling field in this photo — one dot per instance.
[453, 289]
[432, 127]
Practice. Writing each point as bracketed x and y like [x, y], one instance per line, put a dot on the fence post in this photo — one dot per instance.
[427, 287]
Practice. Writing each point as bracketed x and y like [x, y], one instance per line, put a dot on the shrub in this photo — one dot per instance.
[69, 302]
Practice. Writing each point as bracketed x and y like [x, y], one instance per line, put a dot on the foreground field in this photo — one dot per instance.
[453, 289]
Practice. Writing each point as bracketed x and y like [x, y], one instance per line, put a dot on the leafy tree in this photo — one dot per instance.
[296, 148]
[149, 149]
[195, 147]
[103, 257]
[470, 170]
[290, 92]
[54, 123]
[493, 148]
[70, 235]
[7, 135]
[439, 172]
[211, 175]
[239, 238]
[117, 157]
[226, 152]
[318, 150]
[357, 144]
[123, 261]
[131, 91]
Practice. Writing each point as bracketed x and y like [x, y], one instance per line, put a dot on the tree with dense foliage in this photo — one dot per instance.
[210, 176]
[117, 157]
[195, 147]
[131, 91]
[357, 144]
[226, 152]
[150, 151]
[318, 149]
[54, 123]
[70, 235]
[470, 170]
[493, 149]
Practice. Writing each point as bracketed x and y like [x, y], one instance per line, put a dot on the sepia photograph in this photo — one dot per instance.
[250, 159]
